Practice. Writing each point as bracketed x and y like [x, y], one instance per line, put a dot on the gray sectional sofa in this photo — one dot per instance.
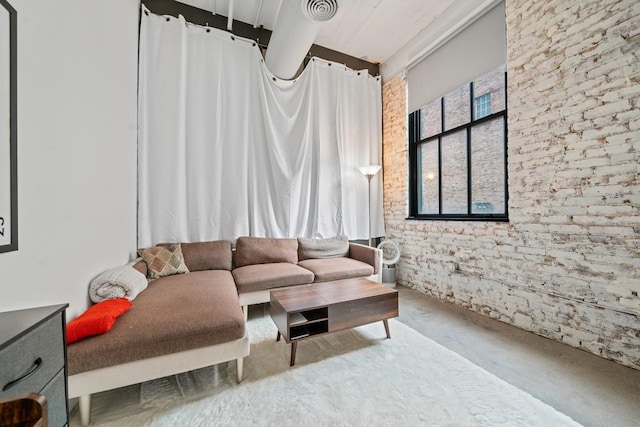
[187, 321]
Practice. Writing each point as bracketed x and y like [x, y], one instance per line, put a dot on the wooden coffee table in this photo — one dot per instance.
[309, 311]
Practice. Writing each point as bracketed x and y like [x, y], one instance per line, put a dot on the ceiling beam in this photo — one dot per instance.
[260, 34]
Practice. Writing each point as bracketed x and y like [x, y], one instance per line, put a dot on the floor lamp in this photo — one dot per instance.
[369, 172]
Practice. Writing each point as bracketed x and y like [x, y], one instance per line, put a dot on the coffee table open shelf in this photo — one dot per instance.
[309, 311]
[310, 322]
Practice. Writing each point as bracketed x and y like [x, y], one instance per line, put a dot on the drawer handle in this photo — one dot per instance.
[36, 365]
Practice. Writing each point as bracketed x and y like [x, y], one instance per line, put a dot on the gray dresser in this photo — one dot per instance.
[33, 357]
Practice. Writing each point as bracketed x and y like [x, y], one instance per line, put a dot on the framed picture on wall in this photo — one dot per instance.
[8, 129]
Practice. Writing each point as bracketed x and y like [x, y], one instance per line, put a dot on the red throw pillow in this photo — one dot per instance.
[98, 319]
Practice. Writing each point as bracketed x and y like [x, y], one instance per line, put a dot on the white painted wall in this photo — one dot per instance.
[77, 91]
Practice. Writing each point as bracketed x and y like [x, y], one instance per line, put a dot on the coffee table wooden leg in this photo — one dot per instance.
[294, 347]
[386, 327]
[278, 337]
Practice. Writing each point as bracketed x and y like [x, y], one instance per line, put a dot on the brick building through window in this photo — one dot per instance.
[458, 153]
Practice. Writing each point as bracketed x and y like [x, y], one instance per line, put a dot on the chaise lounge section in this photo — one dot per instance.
[177, 324]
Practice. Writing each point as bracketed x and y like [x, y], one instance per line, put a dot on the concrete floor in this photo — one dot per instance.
[591, 390]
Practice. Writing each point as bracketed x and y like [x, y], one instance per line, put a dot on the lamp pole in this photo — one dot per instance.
[369, 176]
[369, 172]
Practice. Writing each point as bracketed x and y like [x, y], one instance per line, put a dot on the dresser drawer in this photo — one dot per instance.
[55, 394]
[41, 351]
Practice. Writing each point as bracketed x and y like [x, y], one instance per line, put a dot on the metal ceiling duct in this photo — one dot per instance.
[295, 31]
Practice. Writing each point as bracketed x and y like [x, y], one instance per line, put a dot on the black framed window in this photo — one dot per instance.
[458, 153]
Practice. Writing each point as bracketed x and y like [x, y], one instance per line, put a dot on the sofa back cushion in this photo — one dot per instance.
[200, 256]
[263, 250]
[214, 255]
[141, 266]
[332, 247]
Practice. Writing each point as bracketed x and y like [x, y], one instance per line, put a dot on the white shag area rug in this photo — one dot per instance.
[352, 378]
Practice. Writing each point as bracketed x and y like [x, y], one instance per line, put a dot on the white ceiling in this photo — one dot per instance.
[373, 30]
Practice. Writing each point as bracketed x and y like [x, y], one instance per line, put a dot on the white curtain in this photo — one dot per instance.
[228, 150]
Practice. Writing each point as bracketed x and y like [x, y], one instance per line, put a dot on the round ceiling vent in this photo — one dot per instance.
[320, 10]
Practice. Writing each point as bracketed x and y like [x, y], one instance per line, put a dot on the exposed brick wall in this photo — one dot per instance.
[567, 265]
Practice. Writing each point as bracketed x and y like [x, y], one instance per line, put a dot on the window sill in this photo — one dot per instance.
[457, 218]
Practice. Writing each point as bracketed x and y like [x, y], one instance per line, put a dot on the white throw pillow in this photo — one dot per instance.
[331, 247]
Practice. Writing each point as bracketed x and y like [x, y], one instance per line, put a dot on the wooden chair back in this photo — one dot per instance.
[26, 410]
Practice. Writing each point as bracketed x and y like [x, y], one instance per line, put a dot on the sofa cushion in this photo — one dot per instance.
[331, 247]
[164, 260]
[173, 314]
[259, 277]
[336, 268]
[262, 250]
[214, 255]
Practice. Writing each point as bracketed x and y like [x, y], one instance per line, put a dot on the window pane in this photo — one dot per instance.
[428, 192]
[456, 107]
[487, 167]
[431, 119]
[483, 105]
[491, 84]
[454, 173]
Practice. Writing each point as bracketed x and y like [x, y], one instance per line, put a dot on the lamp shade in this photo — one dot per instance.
[369, 170]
